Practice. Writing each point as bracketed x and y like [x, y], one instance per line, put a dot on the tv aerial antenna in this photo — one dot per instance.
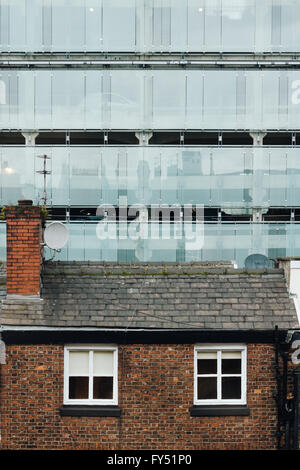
[44, 172]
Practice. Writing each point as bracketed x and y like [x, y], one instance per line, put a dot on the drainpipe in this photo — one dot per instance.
[285, 410]
[278, 396]
[296, 409]
[2, 361]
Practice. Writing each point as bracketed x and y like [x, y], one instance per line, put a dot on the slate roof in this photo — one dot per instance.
[156, 295]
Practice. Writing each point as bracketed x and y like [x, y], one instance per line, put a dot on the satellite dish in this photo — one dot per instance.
[56, 235]
[258, 261]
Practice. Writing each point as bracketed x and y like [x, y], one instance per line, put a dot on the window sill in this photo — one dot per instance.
[90, 410]
[219, 410]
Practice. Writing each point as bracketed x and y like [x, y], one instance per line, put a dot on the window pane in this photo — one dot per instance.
[78, 387]
[231, 388]
[103, 363]
[231, 362]
[79, 363]
[207, 362]
[207, 366]
[207, 388]
[231, 366]
[103, 388]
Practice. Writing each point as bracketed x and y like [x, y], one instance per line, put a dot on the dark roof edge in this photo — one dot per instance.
[102, 268]
[138, 336]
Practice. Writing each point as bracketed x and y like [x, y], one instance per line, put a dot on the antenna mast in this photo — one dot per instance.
[44, 172]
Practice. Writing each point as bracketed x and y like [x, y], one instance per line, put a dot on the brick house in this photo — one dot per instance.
[149, 356]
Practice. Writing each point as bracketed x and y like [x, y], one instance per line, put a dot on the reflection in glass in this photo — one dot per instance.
[78, 387]
[231, 388]
[207, 388]
[126, 25]
[102, 388]
[156, 99]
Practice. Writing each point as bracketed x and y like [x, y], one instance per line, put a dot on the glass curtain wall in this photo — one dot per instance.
[149, 26]
[152, 99]
[226, 241]
[227, 177]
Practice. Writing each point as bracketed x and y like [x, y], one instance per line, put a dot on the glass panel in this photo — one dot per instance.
[293, 177]
[126, 97]
[85, 170]
[46, 29]
[290, 32]
[161, 25]
[26, 98]
[278, 177]
[68, 100]
[103, 363]
[17, 31]
[259, 193]
[93, 100]
[103, 388]
[195, 101]
[17, 174]
[34, 27]
[78, 387]
[293, 99]
[231, 388]
[212, 24]
[77, 242]
[2, 241]
[179, 26]
[196, 19]
[271, 99]
[42, 102]
[231, 362]
[238, 21]
[169, 99]
[119, 28]
[108, 176]
[207, 388]
[60, 176]
[220, 100]
[254, 98]
[78, 363]
[4, 25]
[68, 25]
[231, 366]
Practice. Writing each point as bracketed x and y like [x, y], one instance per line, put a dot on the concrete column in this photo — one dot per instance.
[30, 138]
[143, 137]
[258, 138]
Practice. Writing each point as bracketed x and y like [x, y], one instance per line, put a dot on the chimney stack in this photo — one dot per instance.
[24, 250]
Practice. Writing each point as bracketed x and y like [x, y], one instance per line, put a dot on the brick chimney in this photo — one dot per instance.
[24, 255]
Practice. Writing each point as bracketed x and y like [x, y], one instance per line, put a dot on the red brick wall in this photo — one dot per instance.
[155, 394]
[23, 250]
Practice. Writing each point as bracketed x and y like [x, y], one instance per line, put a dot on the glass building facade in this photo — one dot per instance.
[155, 102]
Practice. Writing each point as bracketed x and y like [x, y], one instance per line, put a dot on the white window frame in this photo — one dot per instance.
[218, 348]
[91, 349]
